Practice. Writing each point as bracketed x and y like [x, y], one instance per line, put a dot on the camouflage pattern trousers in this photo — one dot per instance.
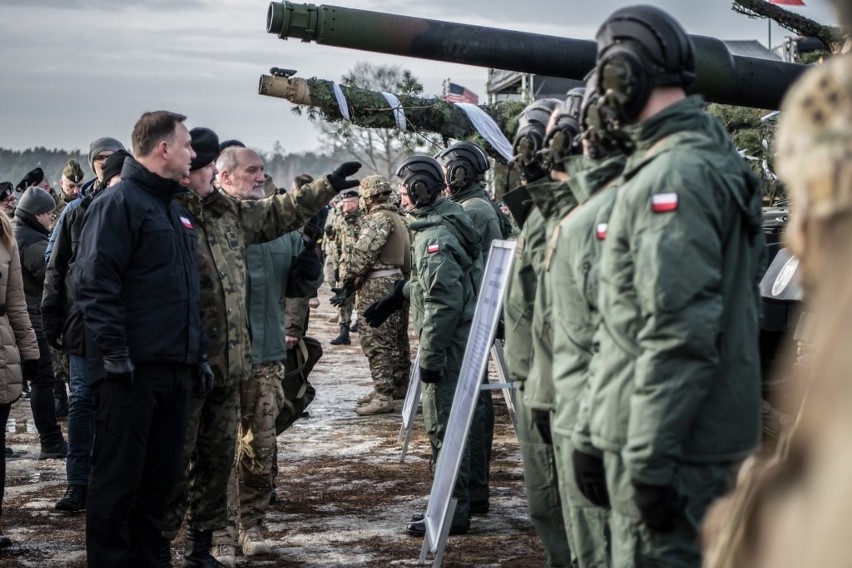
[344, 312]
[386, 347]
[262, 398]
[208, 457]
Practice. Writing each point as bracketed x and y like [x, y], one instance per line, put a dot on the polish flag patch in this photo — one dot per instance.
[600, 230]
[663, 202]
[432, 249]
[186, 222]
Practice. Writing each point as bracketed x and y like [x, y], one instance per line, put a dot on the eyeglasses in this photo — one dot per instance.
[101, 157]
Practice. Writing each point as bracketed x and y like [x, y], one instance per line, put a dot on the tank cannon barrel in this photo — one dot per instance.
[721, 76]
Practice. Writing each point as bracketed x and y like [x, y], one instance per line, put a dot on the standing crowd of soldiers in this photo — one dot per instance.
[630, 320]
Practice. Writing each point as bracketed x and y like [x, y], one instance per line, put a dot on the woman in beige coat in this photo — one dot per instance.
[18, 346]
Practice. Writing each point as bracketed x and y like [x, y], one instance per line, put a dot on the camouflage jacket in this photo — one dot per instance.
[346, 230]
[377, 235]
[226, 226]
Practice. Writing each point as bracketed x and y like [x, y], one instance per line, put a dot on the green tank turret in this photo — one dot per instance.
[721, 76]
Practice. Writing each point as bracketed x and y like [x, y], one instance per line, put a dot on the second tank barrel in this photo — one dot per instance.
[721, 76]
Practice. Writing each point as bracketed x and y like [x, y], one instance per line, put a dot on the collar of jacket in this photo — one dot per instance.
[685, 114]
[28, 220]
[454, 218]
[476, 189]
[165, 189]
[593, 179]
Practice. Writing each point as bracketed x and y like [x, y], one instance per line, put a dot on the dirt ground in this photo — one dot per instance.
[343, 497]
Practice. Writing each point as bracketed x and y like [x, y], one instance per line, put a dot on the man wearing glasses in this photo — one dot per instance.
[7, 198]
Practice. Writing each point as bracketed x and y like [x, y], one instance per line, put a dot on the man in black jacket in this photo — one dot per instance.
[63, 329]
[138, 291]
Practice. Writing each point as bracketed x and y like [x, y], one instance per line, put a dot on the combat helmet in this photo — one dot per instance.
[563, 132]
[465, 163]
[529, 139]
[423, 177]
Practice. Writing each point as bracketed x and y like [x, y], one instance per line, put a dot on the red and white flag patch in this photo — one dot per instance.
[664, 202]
[186, 222]
[432, 249]
[600, 230]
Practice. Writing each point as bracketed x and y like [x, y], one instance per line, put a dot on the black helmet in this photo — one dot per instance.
[563, 133]
[465, 162]
[639, 48]
[423, 178]
[529, 140]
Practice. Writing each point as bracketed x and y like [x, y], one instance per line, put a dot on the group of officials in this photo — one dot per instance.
[630, 320]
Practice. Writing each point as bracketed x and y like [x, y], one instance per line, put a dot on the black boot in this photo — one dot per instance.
[343, 337]
[74, 499]
[197, 550]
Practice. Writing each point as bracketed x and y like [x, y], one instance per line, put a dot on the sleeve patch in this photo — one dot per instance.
[600, 230]
[432, 249]
[664, 202]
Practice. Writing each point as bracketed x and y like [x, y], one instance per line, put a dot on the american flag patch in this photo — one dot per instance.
[663, 202]
[186, 222]
[432, 249]
[600, 230]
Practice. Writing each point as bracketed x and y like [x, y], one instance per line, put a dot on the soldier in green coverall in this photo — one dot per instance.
[674, 398]
[464, 166]
[445, 270]
[537, 452]
[571, 277]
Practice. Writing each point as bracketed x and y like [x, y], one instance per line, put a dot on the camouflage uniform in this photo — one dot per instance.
[346, 230]
[380, 258]
[225, 226]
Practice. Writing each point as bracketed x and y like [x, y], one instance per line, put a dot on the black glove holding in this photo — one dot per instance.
[338, 180]
[541, 419]
[29, 369]
[117, 365]
[429, 377]
[591, 477]
[380, 310]
[342, 294]
[659, 505]
[204, 381]
[308, 264]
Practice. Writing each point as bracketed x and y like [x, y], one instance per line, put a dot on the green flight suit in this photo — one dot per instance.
[540, 478]
[674, 396]
[571, 278]
[477, 204]
[442, 289]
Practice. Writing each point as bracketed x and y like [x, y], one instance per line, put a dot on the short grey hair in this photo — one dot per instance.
[229, 159]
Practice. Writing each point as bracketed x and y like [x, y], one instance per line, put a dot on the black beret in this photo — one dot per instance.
[33, 177]
[205, 143]
[229, 143]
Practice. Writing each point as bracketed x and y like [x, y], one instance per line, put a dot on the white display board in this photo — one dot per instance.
[488, 309]
[409, 406]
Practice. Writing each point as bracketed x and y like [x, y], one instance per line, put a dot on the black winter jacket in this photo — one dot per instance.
[136, 271]
[32, 240]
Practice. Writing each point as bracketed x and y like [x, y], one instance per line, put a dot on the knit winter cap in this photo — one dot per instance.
[101, 145]
[36, 201]
[205, 143]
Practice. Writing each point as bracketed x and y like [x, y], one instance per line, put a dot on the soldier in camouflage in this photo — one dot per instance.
[379, 259]
[69, 186]
[345, 233]
[225, 226]
[274, 270]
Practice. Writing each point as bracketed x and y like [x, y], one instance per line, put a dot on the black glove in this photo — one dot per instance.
[29, 369]
[203, 383]
[117, 365]
[591, 477]
[541, 419]
[338, 180]
[342, 294]
[659, 505]
[54, 341]
[429, 377]
[380, 310]
[500, 332]
[307, 264]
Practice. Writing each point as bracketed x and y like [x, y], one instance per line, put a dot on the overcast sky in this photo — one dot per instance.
[74, 70]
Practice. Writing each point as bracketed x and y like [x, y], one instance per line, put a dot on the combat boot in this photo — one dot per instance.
[354, 327]
[381, 404]
[343, 337]
[253, 543]
[197, 550]
[367, 398]
[74, 499]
